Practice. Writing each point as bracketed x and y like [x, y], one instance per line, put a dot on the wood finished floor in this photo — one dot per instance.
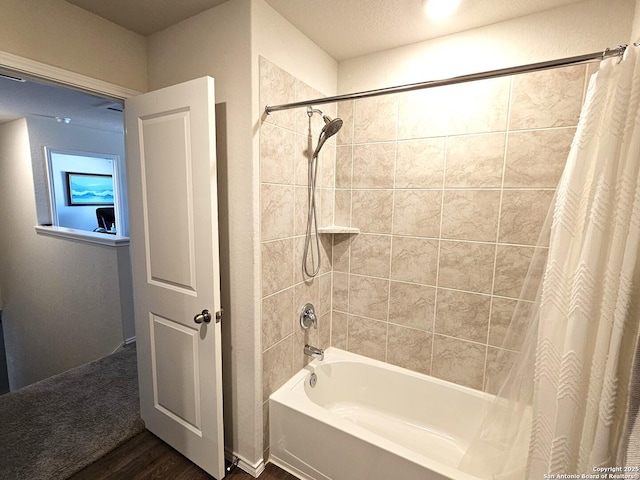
[145, 456]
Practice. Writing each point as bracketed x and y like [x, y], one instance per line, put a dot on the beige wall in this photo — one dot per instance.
[575, 29]
[635, 30]
[65, 36]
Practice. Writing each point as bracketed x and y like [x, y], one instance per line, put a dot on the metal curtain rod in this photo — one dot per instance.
[503, 72]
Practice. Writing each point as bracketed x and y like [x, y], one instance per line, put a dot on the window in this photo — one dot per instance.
[84, 188]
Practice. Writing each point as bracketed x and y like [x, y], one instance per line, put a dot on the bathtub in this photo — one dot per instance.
[368, 420]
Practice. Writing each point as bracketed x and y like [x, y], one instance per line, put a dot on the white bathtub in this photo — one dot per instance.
[368, 420]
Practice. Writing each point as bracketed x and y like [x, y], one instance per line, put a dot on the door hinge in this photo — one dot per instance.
[219, 315]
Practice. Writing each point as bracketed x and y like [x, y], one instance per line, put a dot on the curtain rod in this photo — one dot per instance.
[533, 67]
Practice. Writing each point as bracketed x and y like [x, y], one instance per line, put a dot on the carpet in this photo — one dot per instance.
[54, 428]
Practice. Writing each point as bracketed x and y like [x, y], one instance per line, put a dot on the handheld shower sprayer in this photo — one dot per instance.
[330, 128]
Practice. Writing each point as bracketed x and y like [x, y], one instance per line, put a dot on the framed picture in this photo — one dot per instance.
[89, 189]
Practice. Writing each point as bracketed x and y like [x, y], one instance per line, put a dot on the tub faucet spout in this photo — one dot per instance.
[314, 352]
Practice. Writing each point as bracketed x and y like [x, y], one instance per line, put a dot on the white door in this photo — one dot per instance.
[171, 168]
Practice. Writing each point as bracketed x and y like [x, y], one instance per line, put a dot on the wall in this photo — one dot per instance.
[460, 185]
[287, 67]
[51, 325]
[575, 29]
[217, 42]
[635, 30]
[65, 36]
[46, 132]
[286, 141]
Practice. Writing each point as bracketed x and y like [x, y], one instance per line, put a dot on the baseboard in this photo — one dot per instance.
[252, 469]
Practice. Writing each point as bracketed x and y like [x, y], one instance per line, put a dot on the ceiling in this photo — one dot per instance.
[23, 99]
[342, 28]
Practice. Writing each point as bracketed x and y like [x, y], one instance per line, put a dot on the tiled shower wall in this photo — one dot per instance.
[286, 140]
[449, 187]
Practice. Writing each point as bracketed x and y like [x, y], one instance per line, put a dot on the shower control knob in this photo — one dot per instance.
[308, 316]
[205, 317]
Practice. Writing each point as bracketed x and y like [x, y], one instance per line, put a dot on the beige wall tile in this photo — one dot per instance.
[324, 294]
[370, 255]
[277, 266]
[417, 213]
[324, 203]
[502, 333]
[368, 297]
[302, 151]
[522, 215]
[470, 215]
[551, 98]
[277, 366]
[412, 305]
[345, 112]
[327, 166]
[373, 165]
[276, 154]
[304, 124]
[301, 210]
[466, 266]
[423, 113]
[339, 326]
[265, 428]
[371, 210]
[341, 250]
[458, 361]
[537, 158]
[305, 292]
[512, 264]
[409, 348]
[475, 160]
[374, 119]
[462, 315]
[277, 207]
[341, 291]
[414, 260]
[420, 163]
[343, 208]
[499, 363]
[367, 337]
[324, 331]
[479, 107]
[277, 87]
[277, 317]
[344, 165]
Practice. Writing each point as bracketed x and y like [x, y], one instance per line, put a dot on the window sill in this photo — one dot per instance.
[83, 236]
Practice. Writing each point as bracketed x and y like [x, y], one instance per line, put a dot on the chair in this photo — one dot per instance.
[106, 217]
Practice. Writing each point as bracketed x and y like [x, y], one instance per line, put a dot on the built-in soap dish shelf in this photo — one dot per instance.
[339, 229]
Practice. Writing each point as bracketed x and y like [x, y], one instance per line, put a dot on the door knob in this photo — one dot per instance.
[205, 317]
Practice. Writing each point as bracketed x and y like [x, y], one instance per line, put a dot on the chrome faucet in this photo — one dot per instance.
[308, 317]
[314, 352]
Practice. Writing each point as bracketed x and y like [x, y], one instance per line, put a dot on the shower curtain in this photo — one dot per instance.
[566, 397]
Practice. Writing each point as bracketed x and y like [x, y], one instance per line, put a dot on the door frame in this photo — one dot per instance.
[59, 76]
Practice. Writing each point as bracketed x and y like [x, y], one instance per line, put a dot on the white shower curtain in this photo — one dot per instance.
[588, 317]
[562, 407]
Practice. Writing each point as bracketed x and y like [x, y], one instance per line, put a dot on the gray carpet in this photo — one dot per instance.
[56, 427]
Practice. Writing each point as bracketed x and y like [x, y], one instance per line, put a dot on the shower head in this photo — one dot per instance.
[331, 127]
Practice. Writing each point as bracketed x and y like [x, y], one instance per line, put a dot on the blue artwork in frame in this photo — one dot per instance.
[89, 189]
